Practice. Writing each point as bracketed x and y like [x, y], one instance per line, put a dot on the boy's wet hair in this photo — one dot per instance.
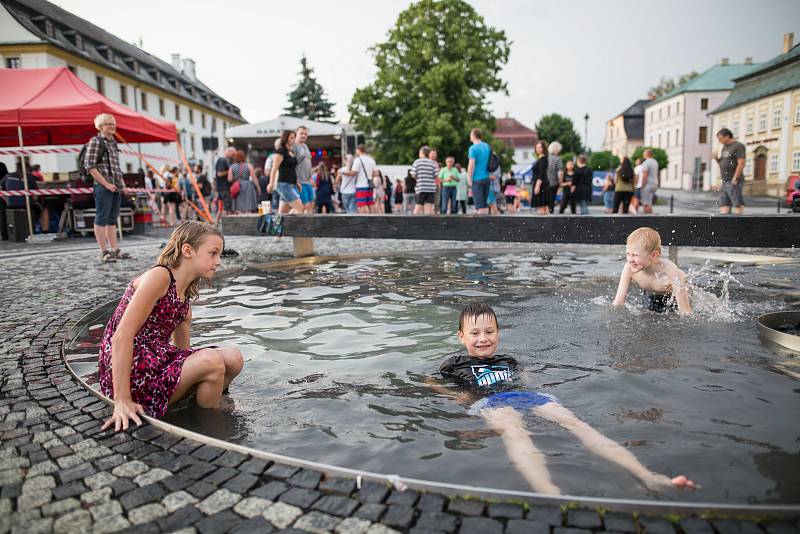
[649, 238]
[476, 309]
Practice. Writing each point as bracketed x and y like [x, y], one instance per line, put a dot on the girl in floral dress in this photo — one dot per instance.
[145, 362]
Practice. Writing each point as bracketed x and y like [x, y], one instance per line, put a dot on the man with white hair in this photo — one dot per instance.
[102, 163]
[555, 171]
[222, 187]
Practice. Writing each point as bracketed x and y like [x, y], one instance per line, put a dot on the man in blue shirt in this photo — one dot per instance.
[478, 171]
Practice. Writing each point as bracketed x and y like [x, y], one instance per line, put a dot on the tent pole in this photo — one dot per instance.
[25, 181]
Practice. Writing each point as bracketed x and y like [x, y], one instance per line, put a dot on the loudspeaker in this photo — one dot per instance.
[210, 143]
[17, 221]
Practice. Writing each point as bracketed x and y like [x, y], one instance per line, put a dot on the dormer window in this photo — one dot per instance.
[48, 28]
[131, 64]
[79, 41]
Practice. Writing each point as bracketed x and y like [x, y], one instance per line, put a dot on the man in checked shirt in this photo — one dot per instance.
[102, 162]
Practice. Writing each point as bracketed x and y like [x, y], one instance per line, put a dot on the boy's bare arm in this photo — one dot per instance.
[462, 397]
[624, 284]
[682, 294]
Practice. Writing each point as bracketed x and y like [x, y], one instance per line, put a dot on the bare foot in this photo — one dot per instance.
[656, 482]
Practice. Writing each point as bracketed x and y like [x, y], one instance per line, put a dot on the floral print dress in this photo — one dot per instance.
[157, 363]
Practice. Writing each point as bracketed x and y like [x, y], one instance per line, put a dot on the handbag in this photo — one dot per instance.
[235, 188]
[370, 182]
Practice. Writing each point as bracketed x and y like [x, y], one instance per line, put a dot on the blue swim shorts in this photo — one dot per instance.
[519, 400]
[306, 193]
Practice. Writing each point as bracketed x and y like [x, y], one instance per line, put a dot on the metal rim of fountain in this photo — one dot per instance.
[766, 326]
[495, 494]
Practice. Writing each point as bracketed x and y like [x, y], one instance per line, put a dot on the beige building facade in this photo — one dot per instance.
[625, 132]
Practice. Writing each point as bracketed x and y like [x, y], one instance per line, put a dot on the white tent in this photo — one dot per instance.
[273, 128]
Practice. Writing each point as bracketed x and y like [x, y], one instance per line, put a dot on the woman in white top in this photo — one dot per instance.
[637, 195]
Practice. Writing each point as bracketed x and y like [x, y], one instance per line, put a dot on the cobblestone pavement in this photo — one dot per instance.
[60, 473]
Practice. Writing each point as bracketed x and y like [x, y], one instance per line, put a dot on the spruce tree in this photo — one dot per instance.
[307, 99]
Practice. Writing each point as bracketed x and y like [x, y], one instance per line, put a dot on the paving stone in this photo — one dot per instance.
[181, 518]
[372, 492]
[151, 477]
[59, 507]
[336, 505]
[218, 523]
[729, 526]
[207, 453]
[547, 514]
[147, 513]
[105, 511]
[518, 526]
[221, 475]
[381, 529]
[66, 462]
[159, 458]
[198, 470]
[771, 527]
[251, 507]
[620, 522]
[167, 440]
[90, 498]
[437, 521]
[281, 471]
[480, 525]
[64, 431]
[81, 471]
[398, 515]
[256, 525]
[147, 433]
[254, 466]
[11, 476]
[271, 490]
[230, 459]
[138, 497]
[108, 463]
[34, 499]
[563, 530]
[351, 525]
[281, 514]
[405, 498]
[219, 500]
[5, 507]
[130, 469]
[469, 507]
[370, 512]
[38, 483]
[58, 452]
[241, 483]
[506, 510]
[36, 526]
[317, 522]
[100, 480]
[75, 521]
[11, 490]
[656, 525]
[111, 524]
[177, 500]
[176, 482]
[301, 497]
[584, 519]
[342, 486]
[122, 486]
[201, 490]
[179, 462]
[430, 502]
[42, 468]
[72, 489]
[185, 446]
[305, 478]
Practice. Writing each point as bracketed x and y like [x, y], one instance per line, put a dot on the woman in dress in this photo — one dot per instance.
[541, 186]
[243, 173]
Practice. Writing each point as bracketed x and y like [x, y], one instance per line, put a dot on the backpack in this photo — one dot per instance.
[494, 162]
[86, 177]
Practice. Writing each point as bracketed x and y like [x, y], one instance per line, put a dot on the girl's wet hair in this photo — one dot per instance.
[475, 310]
[194, 234]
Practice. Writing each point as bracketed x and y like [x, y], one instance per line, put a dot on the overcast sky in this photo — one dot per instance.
[569, 56]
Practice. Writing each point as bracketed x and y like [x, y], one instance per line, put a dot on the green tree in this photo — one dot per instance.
[555, 127]
[307, 99]
[665, 85]
[567, 156]
[434, 72]
[599, 161]
[658, 154]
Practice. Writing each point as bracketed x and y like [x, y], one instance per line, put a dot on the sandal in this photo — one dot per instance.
[118, 254]
[108, 257]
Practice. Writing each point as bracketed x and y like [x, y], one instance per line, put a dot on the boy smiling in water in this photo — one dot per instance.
[490, 378]
[663, 284]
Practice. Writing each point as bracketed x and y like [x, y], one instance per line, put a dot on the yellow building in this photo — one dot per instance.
[763, 112]
[38, 34]
[625, 132]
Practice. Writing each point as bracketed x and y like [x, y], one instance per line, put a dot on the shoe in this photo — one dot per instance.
[118, 254]
[108, 257]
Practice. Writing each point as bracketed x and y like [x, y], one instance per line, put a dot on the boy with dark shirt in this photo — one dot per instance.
[491, 379]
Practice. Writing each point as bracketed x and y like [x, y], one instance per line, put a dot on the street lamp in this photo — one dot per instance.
[586, 132]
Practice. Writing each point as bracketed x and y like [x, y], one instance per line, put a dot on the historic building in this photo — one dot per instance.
[624, 133]
[678, 123]
[518, 137]
[763, 112]
[38, 34]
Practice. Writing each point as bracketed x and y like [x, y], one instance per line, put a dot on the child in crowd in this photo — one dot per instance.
[663, 284]
[145, 362]
[488, 382]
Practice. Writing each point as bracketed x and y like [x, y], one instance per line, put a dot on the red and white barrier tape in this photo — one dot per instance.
[73, 191]
[76, 150]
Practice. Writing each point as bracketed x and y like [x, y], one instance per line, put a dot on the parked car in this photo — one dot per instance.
[793, 193]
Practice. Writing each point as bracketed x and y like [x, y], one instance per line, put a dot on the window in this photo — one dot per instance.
[796, 161]
[144, 101]
[177, 111]
[651, 119]
[667, 139]
[748, 167]
[749, 127]
[776, 118]
[129, 167]
[735, 128]
[16, 63]
[123, 94]
[702, 137]
[191, 143]
[161, 107]
[677, 137]
[773, 163]
[659, 113]
[762, 122]
[202, 120]
[703, 103]
[675, 172]
[651, 140]
[48, 28]
[100, 84]
[669, 110]
[213, 124]
[797, 114]
[191, 116]
[677, 108]
[659, 141]
[79, 41]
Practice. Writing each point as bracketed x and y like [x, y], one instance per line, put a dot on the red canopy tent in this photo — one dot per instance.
[52, 106]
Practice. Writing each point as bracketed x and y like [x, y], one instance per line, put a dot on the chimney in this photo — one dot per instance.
[788, 41]
[176, 62]
[723, 61]
[189, 68]
[506, 114]
[748, 61]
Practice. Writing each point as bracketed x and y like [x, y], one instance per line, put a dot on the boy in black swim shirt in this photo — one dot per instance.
[490, 379]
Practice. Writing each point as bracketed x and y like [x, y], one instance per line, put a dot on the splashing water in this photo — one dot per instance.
[709, 293]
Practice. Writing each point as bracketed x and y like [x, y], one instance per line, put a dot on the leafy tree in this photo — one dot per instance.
[307, 99]
[567, 156]
[659, 155]
[555, 127]
[665, 85]
[599, 161]
[434, 72]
